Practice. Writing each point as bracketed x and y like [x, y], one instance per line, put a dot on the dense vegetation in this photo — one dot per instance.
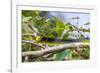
[42, 32]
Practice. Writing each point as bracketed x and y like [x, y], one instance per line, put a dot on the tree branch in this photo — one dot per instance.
[32, 42]
[53, 49]
[29, 35]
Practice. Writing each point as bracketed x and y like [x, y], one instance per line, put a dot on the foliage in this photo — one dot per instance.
[51, 31]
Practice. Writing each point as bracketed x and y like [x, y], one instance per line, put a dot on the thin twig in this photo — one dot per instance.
[29, 35]
[32, 42]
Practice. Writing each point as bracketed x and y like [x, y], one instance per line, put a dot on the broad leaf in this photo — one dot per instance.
[61, 55]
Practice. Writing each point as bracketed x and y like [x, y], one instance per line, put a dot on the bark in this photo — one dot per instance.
[53, 49]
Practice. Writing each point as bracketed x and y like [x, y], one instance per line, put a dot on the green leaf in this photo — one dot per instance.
[61, 55]
[87, 23]
[59, 27]
[26, 29]
[26, 19]
[69, 26]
